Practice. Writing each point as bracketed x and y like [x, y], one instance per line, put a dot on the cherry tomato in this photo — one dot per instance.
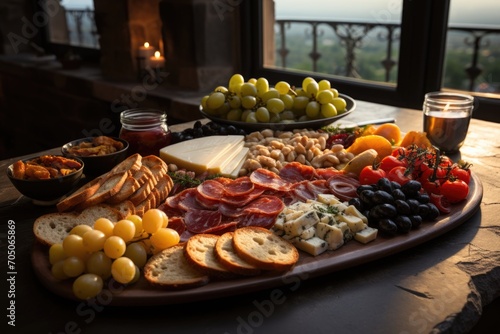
[441, 203]
[389, 162]
[445, 161]
[461, 174]
[371, 175]
[399, 152]
[454, 190]
[399, 175]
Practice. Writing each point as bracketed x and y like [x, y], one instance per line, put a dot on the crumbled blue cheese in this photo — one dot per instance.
[323, 224]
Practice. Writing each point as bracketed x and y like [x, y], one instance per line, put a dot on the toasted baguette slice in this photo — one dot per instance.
[131, 163]
[128, 188]
[80, 195]
[227, 256]
[264, 249]
[143, 175]
[169, 269]
[148, 203]
[52, 228]
[109, 187]
[142, 193]
[155, 162]
[164, 186]
[200, 253]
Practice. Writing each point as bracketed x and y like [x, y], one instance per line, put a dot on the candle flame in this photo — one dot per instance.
[146, 45]
[157, 54]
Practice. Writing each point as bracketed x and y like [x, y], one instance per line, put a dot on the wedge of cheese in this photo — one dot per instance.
[212, 154]
[232, 169]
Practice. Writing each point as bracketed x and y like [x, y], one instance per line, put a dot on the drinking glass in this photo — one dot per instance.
[446, 119]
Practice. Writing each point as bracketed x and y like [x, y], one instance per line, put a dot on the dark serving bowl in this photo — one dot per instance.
[96, 165]
[47, 191]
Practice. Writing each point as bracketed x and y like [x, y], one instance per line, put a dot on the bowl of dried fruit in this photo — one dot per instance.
[46, 178]
[100, 154]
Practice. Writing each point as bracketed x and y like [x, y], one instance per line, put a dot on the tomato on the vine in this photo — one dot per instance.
[371, 175]
[389, 162]
[399, 175]
[461, 174]
[441, 203]
[455, 190]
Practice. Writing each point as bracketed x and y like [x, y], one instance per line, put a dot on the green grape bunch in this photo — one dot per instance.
[255, 101]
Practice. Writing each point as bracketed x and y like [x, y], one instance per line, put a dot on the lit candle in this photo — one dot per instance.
[157, 61]
[145, 52]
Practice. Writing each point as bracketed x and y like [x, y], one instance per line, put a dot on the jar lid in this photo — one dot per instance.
[142, 118]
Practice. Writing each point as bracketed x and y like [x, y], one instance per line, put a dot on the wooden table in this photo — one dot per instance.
[441, 285]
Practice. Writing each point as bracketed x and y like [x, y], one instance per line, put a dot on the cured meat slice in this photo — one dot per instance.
[239, 187]
[207, 203]
[318, 187]
[199, 221]
[264, 205]
[223, 228]
[297, 172]
[301, 191]
[211, 189]
[240, 201]
[343, 186]
[256, 219]
[326, 173]
[188, 201]
[177, 223]
[267, 179]
[171, 212]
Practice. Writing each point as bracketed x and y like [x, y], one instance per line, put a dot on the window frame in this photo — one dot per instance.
[424, 26]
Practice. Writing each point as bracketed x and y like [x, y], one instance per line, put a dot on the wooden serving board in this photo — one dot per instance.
[351, 254]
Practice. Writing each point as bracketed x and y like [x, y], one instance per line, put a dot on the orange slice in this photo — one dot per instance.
[389, 131]
[378, 143]
[416, 137]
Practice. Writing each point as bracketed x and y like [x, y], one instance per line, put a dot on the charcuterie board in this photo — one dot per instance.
[350, 255]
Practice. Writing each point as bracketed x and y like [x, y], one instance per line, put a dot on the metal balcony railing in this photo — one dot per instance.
[352, 35]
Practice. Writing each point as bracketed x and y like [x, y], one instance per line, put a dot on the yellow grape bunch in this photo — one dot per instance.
[110, 250]
[255, 101]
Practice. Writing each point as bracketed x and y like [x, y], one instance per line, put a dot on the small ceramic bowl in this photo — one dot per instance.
[96, 165]
[46, 191]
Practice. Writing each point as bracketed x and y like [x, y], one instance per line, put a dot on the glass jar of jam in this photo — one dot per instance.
[145, 130]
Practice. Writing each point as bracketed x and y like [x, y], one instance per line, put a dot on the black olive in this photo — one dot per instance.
[413, 205]
[416, 221]
[384, 210]
[403, 223]
[398, 194]
[402, 207]
[197, 132]
[231, 130]
[365, 187]
[433, 211]
[176, 137]
[197, 124]
[188, 132]
[366, 196]
[242, 132]
[423, 198]
[356, 202]
[384, 184]
[411, 188]
[423, 211]
[187, 137]
[207, 130]
[381, 196]
[395, 185]
[222, 131]
[387, 226]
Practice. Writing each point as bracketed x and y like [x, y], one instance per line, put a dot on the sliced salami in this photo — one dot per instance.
[297, 172]
[199, 221]
[318, 187]
[223, 228]
[239, 187]
[326, 173]
[188, 201]
[270, 180]
[177, 223]
[256, 219]
[243, 200]
[211, 189]
[302, 192]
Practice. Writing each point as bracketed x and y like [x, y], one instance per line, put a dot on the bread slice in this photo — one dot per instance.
[264, 249]
[164, 186]
[109, 187]
[155, 164]
[200, 253]
[128, 188]
[227, 256]
[143, 175]
[52, 228]
[142, 193]
[125, 208]
[80, 195]
[131, 163]
[169, 269]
